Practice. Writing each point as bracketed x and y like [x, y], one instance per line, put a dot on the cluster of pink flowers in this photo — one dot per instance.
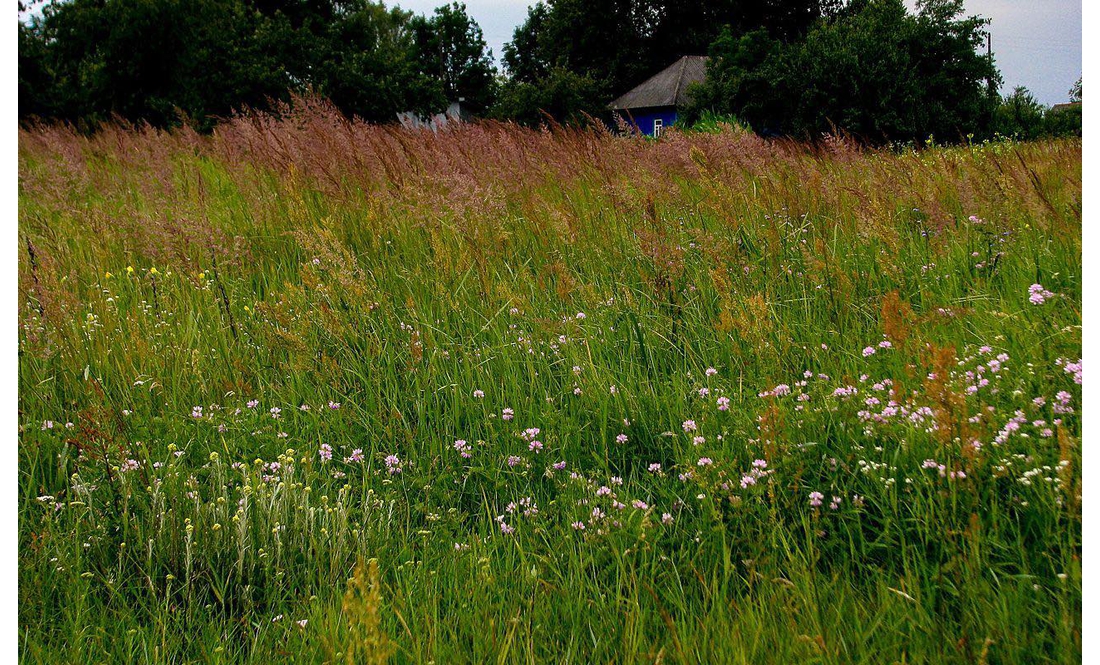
[1064, 398]
[325, 452]
[393, 464]
[1010, 427]
[525, 505]
[759, 470]
[530, 436]
[463, 448]
[1073, 368]
[942, 469]
[1037, 294]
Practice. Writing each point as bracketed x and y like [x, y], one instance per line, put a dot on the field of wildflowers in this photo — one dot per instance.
[308, 390]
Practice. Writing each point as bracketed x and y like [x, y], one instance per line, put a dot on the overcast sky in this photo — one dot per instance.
[1036, 43]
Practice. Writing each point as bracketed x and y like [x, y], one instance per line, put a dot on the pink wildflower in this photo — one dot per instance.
[393, 464]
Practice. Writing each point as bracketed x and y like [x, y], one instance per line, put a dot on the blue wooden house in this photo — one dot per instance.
[653, 105]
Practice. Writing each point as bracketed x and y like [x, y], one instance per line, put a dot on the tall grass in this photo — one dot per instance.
[280, 387]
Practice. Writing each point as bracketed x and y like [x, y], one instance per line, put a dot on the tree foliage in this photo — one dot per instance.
[1020, 116]
[874, 69]
[615, 44]
[560, 95]
[871, 68]
[155, 60]
[450, 46]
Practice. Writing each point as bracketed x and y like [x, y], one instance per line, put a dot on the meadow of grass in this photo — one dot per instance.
[309, 390]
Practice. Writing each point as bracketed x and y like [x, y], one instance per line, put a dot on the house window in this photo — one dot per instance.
[658, 125]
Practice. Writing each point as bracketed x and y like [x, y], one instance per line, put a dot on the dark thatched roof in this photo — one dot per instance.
[666, 88]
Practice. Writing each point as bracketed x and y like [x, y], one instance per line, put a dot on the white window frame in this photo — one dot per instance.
[658, 127]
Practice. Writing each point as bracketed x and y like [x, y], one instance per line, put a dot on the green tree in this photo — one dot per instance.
[528, 57]
[157, 60]
[37, 84]
[873, 69]
[619, 43]
[561, 95]
[1019, 115]
[450, 47]
[1065, 120]
[365, 67]
[736, 77]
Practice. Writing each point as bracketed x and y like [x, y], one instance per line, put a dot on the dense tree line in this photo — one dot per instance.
[872, 68]
[573, 56]
[1021, 116]
[153, 60]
